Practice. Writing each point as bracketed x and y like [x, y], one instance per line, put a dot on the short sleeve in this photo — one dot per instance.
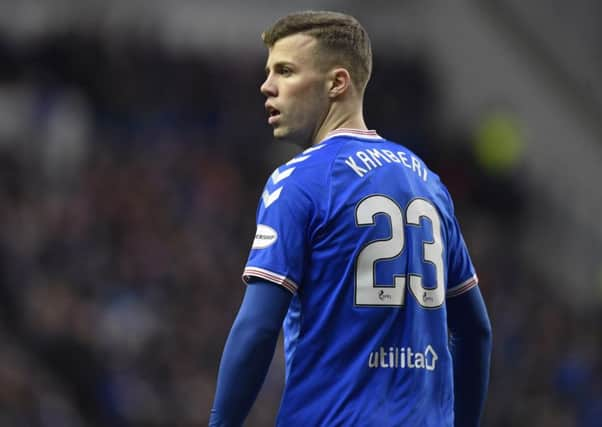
[461, 274]
[279, 250]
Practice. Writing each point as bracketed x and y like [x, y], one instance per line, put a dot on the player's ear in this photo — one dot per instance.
[340, 80]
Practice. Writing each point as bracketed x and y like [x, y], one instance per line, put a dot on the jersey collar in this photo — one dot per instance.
[356, 133]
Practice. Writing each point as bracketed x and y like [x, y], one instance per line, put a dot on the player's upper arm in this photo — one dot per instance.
[461, 274]
[281, 244]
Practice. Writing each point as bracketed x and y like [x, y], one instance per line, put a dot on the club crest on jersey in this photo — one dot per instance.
[264, 236]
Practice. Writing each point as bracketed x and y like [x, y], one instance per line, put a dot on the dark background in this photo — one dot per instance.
[134, 148]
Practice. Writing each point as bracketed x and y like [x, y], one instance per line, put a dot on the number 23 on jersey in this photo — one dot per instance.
[367, 291]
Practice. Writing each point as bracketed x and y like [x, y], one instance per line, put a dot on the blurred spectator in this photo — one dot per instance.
[126, 212]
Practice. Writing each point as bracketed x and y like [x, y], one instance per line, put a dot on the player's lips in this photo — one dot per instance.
[273, 113]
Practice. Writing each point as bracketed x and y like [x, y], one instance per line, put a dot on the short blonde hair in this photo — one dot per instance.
[340, 37]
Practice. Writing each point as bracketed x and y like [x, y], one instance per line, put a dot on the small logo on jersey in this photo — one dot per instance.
[404, 358]
[426, 298]
[264, 236]
[384, 296]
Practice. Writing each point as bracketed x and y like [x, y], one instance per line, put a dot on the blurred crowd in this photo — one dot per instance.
[129, 179]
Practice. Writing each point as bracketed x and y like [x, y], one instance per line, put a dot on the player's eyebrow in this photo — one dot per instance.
[279, 65]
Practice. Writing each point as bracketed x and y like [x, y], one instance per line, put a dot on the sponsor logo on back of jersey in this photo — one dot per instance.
[403, 358]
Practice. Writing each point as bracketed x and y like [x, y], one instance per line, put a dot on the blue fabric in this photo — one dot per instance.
[248, 352]
[365, 237]
[471, 341]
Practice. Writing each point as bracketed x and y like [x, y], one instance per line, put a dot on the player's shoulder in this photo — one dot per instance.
[308, 174]
[310, 166]
[298, 180]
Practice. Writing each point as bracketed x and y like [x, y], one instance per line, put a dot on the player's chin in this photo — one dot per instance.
[281, 133]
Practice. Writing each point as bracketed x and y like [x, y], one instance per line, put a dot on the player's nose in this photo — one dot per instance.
[268, 88]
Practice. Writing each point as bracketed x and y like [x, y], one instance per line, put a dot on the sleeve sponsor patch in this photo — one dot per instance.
[264, 236]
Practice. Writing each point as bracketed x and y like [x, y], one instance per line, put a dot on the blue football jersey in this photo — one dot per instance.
[365, 237]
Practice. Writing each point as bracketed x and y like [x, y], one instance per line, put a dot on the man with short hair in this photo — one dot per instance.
[359, 252]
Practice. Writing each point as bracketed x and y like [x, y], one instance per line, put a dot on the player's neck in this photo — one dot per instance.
[352, 119]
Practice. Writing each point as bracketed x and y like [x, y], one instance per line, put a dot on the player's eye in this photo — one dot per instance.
[285, 71]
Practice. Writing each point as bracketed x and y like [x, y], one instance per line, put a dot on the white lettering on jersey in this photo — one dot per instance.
[404, 159]
[373, 158]
[357, 169]
[416, 166]
[269, 198]
[391, 156]
[376, 154]
[368, 162]
[404, 358]
[264, 236]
